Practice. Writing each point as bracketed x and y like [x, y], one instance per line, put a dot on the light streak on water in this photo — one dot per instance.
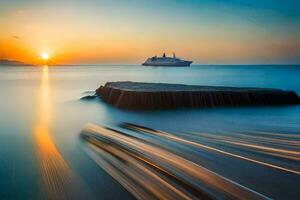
[149, 170]
[178, 139]
[295, 154]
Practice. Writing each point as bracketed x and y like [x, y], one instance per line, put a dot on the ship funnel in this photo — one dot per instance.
[174, 56]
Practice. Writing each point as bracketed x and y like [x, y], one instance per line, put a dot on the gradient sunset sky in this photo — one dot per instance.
[107, 31]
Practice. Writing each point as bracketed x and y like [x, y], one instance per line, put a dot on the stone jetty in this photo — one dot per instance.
[138, 95]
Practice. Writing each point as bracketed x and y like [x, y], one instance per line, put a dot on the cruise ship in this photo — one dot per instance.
[167, 61]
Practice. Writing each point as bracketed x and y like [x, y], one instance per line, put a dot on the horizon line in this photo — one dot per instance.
[126, 64]
[196, 64]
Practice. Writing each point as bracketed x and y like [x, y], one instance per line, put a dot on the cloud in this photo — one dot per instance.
[16, 37]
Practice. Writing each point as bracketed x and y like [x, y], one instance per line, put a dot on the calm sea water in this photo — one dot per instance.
[42, 153]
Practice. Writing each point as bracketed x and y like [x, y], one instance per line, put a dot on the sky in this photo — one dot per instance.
[125, 32]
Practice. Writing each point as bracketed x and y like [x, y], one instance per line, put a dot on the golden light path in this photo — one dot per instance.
[55, 173]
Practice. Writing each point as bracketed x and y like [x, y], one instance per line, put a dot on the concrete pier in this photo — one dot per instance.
[137, 95]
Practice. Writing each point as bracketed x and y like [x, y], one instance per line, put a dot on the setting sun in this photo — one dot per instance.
[44, 56]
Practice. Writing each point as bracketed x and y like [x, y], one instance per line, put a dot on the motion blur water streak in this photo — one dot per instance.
[167, 176]
[178, 139]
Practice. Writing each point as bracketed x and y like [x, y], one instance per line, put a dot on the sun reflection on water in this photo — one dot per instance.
[54, 171]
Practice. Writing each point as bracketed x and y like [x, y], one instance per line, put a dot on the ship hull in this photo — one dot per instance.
[159, 64]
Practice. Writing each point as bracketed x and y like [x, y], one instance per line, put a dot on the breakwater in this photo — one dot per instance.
[137, 95]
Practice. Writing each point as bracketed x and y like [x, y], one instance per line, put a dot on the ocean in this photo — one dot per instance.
[44, 152]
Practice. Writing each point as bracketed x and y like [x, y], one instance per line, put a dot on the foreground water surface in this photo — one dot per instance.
[54, 145]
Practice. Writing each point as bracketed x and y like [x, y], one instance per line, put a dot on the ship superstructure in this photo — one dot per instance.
[166, 61]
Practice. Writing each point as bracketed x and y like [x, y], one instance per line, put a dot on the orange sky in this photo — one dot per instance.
[93, 32]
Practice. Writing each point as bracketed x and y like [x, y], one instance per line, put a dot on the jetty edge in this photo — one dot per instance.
[149, 96]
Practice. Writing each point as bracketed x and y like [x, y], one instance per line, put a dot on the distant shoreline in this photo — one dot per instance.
[6, 62]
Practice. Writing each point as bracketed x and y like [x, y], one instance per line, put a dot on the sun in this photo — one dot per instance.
[44, 56]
